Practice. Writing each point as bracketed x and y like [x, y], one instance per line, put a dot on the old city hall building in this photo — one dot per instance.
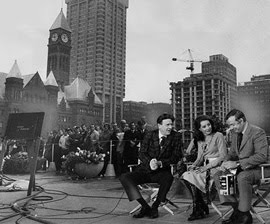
[65, 103]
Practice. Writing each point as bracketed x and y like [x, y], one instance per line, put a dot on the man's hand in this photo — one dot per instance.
[132, 143]
[154, 164]
[228, 165]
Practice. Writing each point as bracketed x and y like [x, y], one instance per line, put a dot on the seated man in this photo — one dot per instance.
[248, 150]
[159, 149]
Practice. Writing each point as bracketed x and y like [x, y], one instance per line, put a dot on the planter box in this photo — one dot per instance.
[88, 170]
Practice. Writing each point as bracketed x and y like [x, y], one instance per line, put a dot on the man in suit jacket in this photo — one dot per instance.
[159, 149]
[131, 148]
[248, 150]
[142, 130]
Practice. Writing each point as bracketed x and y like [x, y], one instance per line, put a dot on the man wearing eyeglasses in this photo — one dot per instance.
[248, 150]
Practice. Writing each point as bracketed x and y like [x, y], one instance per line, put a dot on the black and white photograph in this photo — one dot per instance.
[129, 111]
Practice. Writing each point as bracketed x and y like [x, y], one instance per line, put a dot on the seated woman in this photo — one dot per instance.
[211, 152]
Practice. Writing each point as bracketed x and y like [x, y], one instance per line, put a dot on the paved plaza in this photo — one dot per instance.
[98, 200]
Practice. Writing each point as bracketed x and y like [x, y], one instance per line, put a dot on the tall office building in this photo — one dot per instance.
[98, 52]
[211, 92]
[254, 100]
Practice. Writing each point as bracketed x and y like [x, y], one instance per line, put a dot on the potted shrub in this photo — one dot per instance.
[18, 163]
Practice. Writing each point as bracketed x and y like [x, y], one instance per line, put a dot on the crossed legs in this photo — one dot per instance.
[130, 182]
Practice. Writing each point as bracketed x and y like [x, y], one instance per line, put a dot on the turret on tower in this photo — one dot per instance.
[59, 48]
[14, 84]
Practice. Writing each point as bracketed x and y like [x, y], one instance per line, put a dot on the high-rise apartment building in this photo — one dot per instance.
[254, 100]
[211, 92]
[98, 52]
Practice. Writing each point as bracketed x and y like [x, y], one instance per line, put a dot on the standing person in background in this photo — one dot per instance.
[48, 147]
[98, 129]
[84, 144]
[249, 149]
[120, 148]
[123, 125]
[63, 144]
[115, 142]
[141, 130]
[63, 141]
[160, 149]
[94, 137]
[74, 139]
[104, 144]
[211, 152]
[57, 151]
[131, 149]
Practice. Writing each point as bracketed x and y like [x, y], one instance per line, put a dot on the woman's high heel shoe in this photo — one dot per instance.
[198, 213]
[205, 208]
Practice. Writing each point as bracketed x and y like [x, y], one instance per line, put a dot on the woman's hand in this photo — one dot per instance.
[202, 169]
[192, 167]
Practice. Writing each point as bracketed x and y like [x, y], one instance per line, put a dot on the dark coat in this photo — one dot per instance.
[171, 152]
[130, 153]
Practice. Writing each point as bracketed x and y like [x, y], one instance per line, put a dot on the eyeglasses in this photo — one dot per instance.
[235, 124]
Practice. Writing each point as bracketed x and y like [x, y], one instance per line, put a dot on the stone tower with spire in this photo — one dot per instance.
[59, 48]
[14, 84]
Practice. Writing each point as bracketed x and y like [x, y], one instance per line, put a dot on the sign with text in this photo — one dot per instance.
[24, 125]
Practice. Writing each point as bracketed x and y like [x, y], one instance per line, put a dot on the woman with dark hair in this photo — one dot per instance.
[211, 152]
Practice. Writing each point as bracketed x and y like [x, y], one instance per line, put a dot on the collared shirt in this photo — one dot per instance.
[160, 136]
[245, 128]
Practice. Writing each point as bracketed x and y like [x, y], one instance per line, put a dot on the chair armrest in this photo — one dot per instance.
[188, 164]
[264, 165]
[178, 169]
[131, 167]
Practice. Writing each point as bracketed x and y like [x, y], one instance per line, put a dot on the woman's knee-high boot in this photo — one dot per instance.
[198, 212]
[201, 201]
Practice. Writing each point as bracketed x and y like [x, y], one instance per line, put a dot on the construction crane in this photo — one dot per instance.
[190, 60]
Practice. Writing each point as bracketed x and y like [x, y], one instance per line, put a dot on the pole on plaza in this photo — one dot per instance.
[33, 147]
[110, 168]
[52, 163]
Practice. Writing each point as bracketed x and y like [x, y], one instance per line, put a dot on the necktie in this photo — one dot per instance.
[162, 141]
[239, 140]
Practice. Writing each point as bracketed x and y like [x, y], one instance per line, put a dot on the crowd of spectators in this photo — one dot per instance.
[119, 142]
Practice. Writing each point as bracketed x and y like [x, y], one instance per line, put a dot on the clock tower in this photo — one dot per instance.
[59, 48]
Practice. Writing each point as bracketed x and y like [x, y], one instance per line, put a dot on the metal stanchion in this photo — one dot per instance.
[110, 172]
[52, 163]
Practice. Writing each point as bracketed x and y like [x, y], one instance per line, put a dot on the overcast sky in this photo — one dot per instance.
[157, 31]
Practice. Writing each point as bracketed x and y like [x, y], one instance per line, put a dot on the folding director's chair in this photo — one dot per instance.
[152, 189]
[261, 190]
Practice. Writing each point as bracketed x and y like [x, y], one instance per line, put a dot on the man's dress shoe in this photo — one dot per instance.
[154, 213]
[145, 211]
[232, 217]
[243, 218]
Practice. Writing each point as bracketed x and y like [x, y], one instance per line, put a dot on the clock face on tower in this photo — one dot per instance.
[54, 37]
[64, 38]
